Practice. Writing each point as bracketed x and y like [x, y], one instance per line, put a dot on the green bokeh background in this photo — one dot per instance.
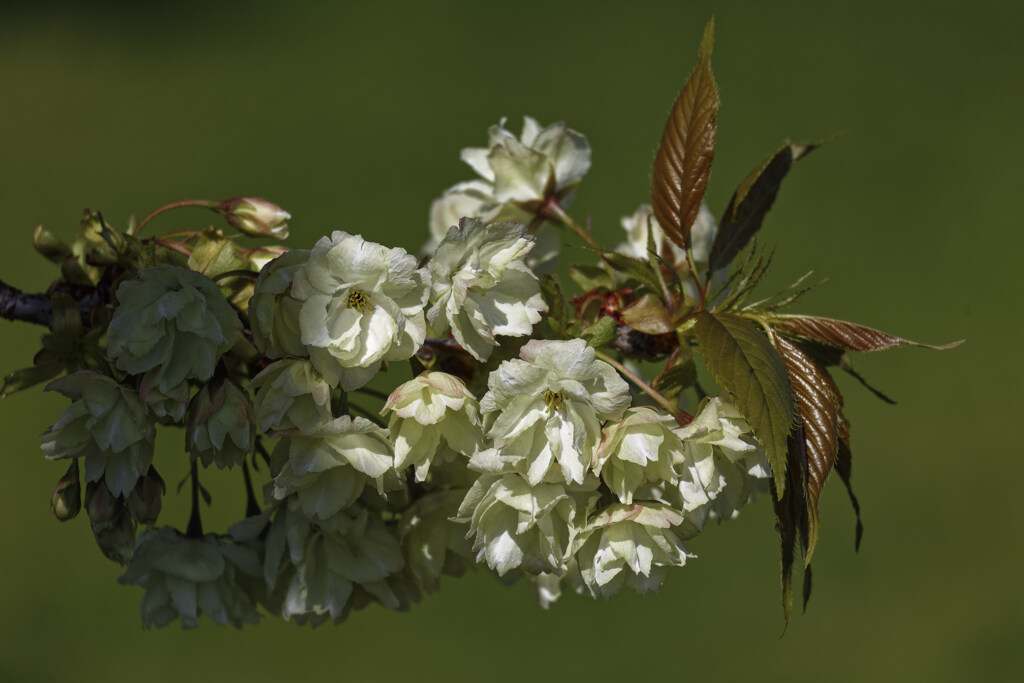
[352, 118]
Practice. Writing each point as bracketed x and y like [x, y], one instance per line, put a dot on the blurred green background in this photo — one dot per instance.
[352, 118]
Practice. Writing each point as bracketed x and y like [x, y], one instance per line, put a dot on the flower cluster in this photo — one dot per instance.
[545, 469]
[562, 439]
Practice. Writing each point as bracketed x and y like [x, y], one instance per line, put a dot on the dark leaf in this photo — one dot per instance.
[676, 378]
[745, 364]
[828, 356]
[844, 466]
[648, 315]
[818, 409]
[683, 164]
[750, 203]
[790, 508]
[843, 335]
[558, 311]
[807, 585]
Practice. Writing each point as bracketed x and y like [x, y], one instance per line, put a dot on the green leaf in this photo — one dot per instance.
[745, 364]
[843, 335]
[751, 202]
[638, 269]
[29, 377]
[558, 310]
[818, 408]
[588, 277]
[215, 254]
[648, 315]
[601, 332]
[683, 164]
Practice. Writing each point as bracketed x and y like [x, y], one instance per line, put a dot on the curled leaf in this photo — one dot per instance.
[818, 409]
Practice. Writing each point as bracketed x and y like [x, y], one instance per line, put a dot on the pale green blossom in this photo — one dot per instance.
[168, 407]
[107, 425]
[639, 448]
[322, 568]
[185, 577]
[481, 286]
[328, 469]
[516, 525]
[632, 545]
[540, 163]
[547, 407]
[433, 543]
[172, 320]
[434, 417]
[517, 176]
[470, 199]
[221, 428]
[723, 464]
[362, 303]
[273, 311]
[291, 394]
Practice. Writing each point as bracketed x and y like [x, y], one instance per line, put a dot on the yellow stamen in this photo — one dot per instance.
[359, 300]
[554, 400]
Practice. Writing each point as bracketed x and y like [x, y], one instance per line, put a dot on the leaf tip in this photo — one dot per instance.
[707, 42]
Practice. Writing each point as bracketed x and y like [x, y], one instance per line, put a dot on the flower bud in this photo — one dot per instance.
[256, 217]
[101, 505]
[146, 499]
[66, 501]
[117, 542]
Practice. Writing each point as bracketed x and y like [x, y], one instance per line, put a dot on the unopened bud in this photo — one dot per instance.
[101, 505]
[49, 245]
[66, 501]
[146, 499]
[256, 217]
[117, 540]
